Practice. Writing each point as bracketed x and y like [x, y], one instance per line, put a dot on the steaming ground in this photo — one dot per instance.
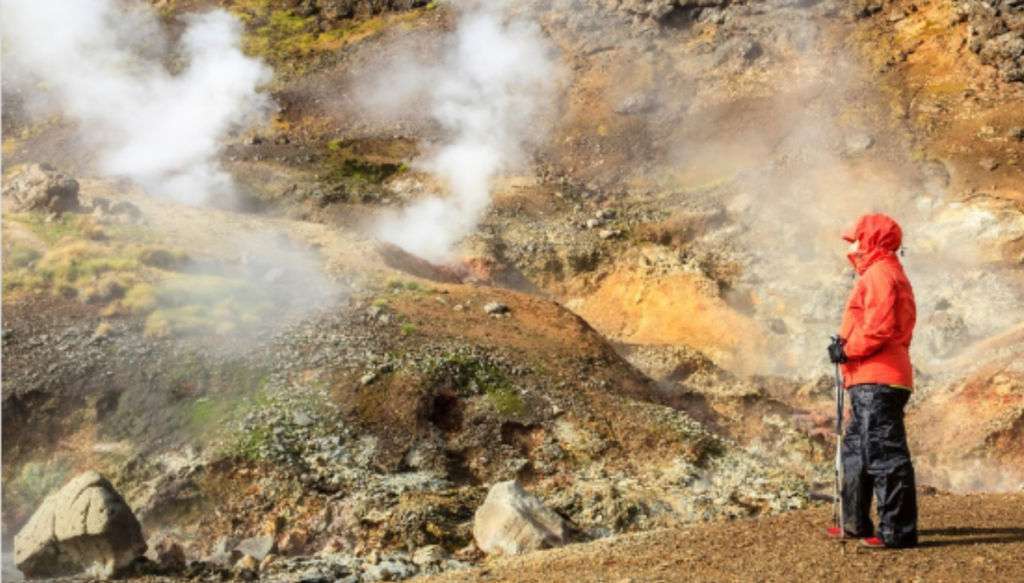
[107, 65]
[488, 86]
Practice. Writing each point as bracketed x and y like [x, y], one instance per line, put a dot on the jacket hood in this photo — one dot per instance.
[878, 236]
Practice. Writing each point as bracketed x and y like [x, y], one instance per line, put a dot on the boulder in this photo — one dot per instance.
[512, 521]
[86, 527]
[40, 187]
[257, 547]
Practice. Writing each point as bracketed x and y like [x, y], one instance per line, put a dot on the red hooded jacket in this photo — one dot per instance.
[879, 319]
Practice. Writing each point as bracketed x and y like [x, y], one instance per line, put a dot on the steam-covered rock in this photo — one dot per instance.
[41, 187]
[513, 521]
[86, 527]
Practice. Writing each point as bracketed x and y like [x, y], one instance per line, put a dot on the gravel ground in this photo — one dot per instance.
[963, 538]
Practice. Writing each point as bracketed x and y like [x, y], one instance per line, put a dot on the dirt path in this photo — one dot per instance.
[963, 539]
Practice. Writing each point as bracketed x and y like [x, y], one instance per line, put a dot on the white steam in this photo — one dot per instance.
[100, 59]
[492, 81]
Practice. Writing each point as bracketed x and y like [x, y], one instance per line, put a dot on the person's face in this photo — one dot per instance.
[854, 246]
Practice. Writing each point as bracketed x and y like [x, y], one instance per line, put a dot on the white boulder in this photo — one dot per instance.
[512, 521]
[86, 527]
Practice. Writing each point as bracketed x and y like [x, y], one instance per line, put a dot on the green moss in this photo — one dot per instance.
[507, 400]
[469, 376]
[49, 231]
[249, 445]
[408, 329]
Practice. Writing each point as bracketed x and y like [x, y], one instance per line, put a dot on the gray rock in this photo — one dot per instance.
[257, 547]
[610, 234]
[389, 570]
[512, 521]
[496, 308]
[126, 209]
[738, 50]
[858, 144]
[636, 104]
[40, 187]
[86, 527]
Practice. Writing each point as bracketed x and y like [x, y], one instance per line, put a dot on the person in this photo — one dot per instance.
[874, 354]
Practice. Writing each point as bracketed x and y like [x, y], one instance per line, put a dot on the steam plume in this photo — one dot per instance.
[493, 79]
[100, 59]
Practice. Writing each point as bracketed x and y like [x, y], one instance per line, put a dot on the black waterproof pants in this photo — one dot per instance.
[876, 458]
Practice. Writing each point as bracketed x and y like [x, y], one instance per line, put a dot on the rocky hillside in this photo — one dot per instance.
[632, 326]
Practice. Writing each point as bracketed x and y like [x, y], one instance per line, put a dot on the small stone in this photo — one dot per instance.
[858, 144]
[1017, 134]
[989, 164]
[776, 325]
[257, 547]
[496, 308]
[636, 104]
[302, 420]
[594, 223]
[368, 378]
[609, 234]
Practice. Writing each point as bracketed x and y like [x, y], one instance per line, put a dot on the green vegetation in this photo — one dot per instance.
[469, 376]
[208, 304]
[108, 268]
[250, 445]
[283, 38]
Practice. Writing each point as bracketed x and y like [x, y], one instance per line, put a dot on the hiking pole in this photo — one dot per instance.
[837, 495]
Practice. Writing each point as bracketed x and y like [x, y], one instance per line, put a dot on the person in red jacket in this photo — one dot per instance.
[874, 354]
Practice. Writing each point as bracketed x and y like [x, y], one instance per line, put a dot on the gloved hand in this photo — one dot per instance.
[835, 351]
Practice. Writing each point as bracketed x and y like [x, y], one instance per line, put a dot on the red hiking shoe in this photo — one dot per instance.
[873, 543]
[834, 532]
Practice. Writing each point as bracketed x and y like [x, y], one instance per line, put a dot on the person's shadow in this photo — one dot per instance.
[970, 536]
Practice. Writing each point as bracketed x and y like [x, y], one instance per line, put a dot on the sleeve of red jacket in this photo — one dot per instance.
[878, 323]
